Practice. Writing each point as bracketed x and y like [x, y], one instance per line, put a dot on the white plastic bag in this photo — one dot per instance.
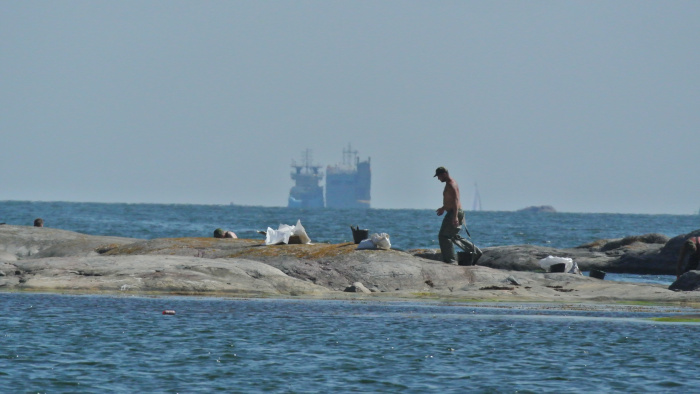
[300, 231]
[366, 244]
[376, 241]
[381, 241]
[547, 262]
[279, 236]
[575, 270]
[282, 234]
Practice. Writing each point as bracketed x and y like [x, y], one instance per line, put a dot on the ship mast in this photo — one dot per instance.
[348, 156]
[307, 163]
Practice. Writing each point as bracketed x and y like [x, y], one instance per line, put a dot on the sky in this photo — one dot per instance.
[587, 106]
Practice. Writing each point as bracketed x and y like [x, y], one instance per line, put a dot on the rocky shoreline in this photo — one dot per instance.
[52, 260]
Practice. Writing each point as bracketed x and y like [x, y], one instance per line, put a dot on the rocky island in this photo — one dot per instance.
[538, 209]
[52, 260]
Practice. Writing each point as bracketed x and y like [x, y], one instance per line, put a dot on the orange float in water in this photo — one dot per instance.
[168, 312]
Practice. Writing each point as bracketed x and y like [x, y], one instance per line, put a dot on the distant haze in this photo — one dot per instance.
[587, 106]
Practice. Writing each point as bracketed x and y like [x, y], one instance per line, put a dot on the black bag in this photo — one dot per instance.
[471, 253]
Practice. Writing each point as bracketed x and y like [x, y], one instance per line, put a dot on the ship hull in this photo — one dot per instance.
[310, 202]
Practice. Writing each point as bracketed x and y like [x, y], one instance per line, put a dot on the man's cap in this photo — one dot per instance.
[440, 170]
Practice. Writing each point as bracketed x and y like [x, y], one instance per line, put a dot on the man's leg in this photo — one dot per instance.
[445, 237]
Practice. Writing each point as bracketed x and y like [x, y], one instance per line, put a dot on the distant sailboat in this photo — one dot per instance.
[476, 205]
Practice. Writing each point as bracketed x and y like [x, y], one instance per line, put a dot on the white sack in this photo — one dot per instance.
[381, 241]
[279, 236]
[548, 261]
[282, 234]
[366, 244]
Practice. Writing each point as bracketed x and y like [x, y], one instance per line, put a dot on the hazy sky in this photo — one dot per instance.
[588, 106]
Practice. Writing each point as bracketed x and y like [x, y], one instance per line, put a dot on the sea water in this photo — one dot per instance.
[61, 343]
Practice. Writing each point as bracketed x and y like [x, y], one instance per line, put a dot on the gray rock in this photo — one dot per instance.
[71, 262]
[7, 256]
[171, 274]
[25, 242]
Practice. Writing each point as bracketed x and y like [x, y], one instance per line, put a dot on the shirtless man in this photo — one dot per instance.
[453, 220]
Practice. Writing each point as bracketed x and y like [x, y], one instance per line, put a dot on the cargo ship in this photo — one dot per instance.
[348, 184]
[306, 192]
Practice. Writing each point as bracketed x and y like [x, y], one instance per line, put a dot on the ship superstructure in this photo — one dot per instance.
[306, 192]
[348, 184]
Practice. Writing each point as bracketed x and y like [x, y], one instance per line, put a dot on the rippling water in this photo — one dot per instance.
[56, 343]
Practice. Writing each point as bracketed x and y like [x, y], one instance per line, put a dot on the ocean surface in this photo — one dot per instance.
[64, 343]
[89, 344]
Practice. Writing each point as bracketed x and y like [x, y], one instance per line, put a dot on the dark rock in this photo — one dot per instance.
[689, 281]
[645, 239]
[559, 267]
[357, 287]
[598, 274]
[642, 254]
[672, 248]
[513, 281]
[496, 288]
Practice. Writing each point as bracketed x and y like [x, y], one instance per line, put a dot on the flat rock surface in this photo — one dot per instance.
[44, 259]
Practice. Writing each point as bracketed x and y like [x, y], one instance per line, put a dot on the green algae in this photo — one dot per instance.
[678, 319]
